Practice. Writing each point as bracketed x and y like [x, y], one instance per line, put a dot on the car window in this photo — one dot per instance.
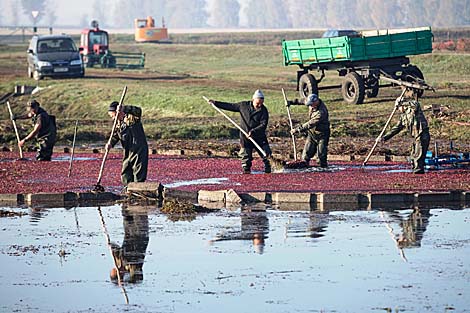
[56, 45]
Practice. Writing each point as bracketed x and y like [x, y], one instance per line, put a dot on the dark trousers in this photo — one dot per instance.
[418, 151]
[45, 148]
[134, 166]
[316, 143]
[246, 155]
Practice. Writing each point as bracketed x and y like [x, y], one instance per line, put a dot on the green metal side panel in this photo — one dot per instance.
[310, 51]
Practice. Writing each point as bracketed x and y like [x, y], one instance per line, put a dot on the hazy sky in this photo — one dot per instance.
[68, 12]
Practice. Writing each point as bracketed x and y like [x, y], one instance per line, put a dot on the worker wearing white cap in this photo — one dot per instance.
[316, 129]
[254, 120]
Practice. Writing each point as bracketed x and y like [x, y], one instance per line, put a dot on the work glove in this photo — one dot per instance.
[398, 102]
[297, 130]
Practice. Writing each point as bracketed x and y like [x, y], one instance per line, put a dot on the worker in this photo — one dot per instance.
[254, 121]
[130, 132]
[44, 129]
[412, 118]
[316, 130]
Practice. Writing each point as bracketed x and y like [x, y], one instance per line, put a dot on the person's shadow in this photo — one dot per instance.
[129, 258]
[254, 226]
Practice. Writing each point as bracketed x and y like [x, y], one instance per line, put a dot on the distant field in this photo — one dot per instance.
[177, 75]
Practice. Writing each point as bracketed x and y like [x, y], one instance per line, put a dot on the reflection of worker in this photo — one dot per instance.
[130, 132]
[412, 118]
[44, 128]
[254, 121]
[254, 227]
[413, 228]
[317, 130]
[130, 257]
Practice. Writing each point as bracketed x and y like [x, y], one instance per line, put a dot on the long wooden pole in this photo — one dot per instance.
[16, 129]
[73, 148]
[377, 140]
[237, 126]
[290, 123]
[108, 242]
[111, 136]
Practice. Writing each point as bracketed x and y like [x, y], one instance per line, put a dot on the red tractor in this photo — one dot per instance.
[95, 44]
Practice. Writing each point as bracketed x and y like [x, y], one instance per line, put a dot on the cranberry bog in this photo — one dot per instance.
[219, 173]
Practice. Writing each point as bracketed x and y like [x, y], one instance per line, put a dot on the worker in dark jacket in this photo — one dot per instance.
[254, 121]
[316, 129]
[130, 132]
[44, 129]
[412, 119]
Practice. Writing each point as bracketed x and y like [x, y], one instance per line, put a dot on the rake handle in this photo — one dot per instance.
[118, 109]
[383, 130]
[290, 123]
[16, 129]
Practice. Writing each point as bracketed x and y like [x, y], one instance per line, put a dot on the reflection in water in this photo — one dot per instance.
[254, 226]
[413, 225]
[129, 258]
[314, 227]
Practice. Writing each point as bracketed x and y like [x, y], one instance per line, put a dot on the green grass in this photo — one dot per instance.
[176, 76]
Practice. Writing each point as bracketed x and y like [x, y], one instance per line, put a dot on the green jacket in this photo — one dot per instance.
[318, 120]
[130, 130]
[48, 125]
[412, 119]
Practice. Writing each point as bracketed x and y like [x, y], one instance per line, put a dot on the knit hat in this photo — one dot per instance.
[311, 99]
[33, 104]
[258, 94]
[113, 106]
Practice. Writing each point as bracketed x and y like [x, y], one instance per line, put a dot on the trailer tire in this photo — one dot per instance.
[372, 88]
[413, 74]
[307, 85]
[353, 89]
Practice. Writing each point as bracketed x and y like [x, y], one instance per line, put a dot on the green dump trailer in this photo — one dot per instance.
[361, 60]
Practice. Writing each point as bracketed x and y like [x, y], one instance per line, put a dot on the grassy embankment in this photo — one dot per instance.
[176, 76]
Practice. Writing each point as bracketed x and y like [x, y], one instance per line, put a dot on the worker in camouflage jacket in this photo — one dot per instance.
[44, 129]
[130, 132]
[412, 119]
[316, 130]
[254, 121]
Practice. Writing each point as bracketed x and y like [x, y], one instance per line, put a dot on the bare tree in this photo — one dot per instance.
[187, 13]
[51, 16]
[30, 6]
[100, 11]
[223, 13]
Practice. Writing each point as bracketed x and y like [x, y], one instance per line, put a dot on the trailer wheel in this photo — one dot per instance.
[307, 85]
[372, 88]
[413, 74]
[353, 88]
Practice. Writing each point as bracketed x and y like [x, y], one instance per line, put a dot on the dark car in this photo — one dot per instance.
[54, 56]
[338, 33]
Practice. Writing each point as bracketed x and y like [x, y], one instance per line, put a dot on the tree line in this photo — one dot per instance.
[359, 14]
